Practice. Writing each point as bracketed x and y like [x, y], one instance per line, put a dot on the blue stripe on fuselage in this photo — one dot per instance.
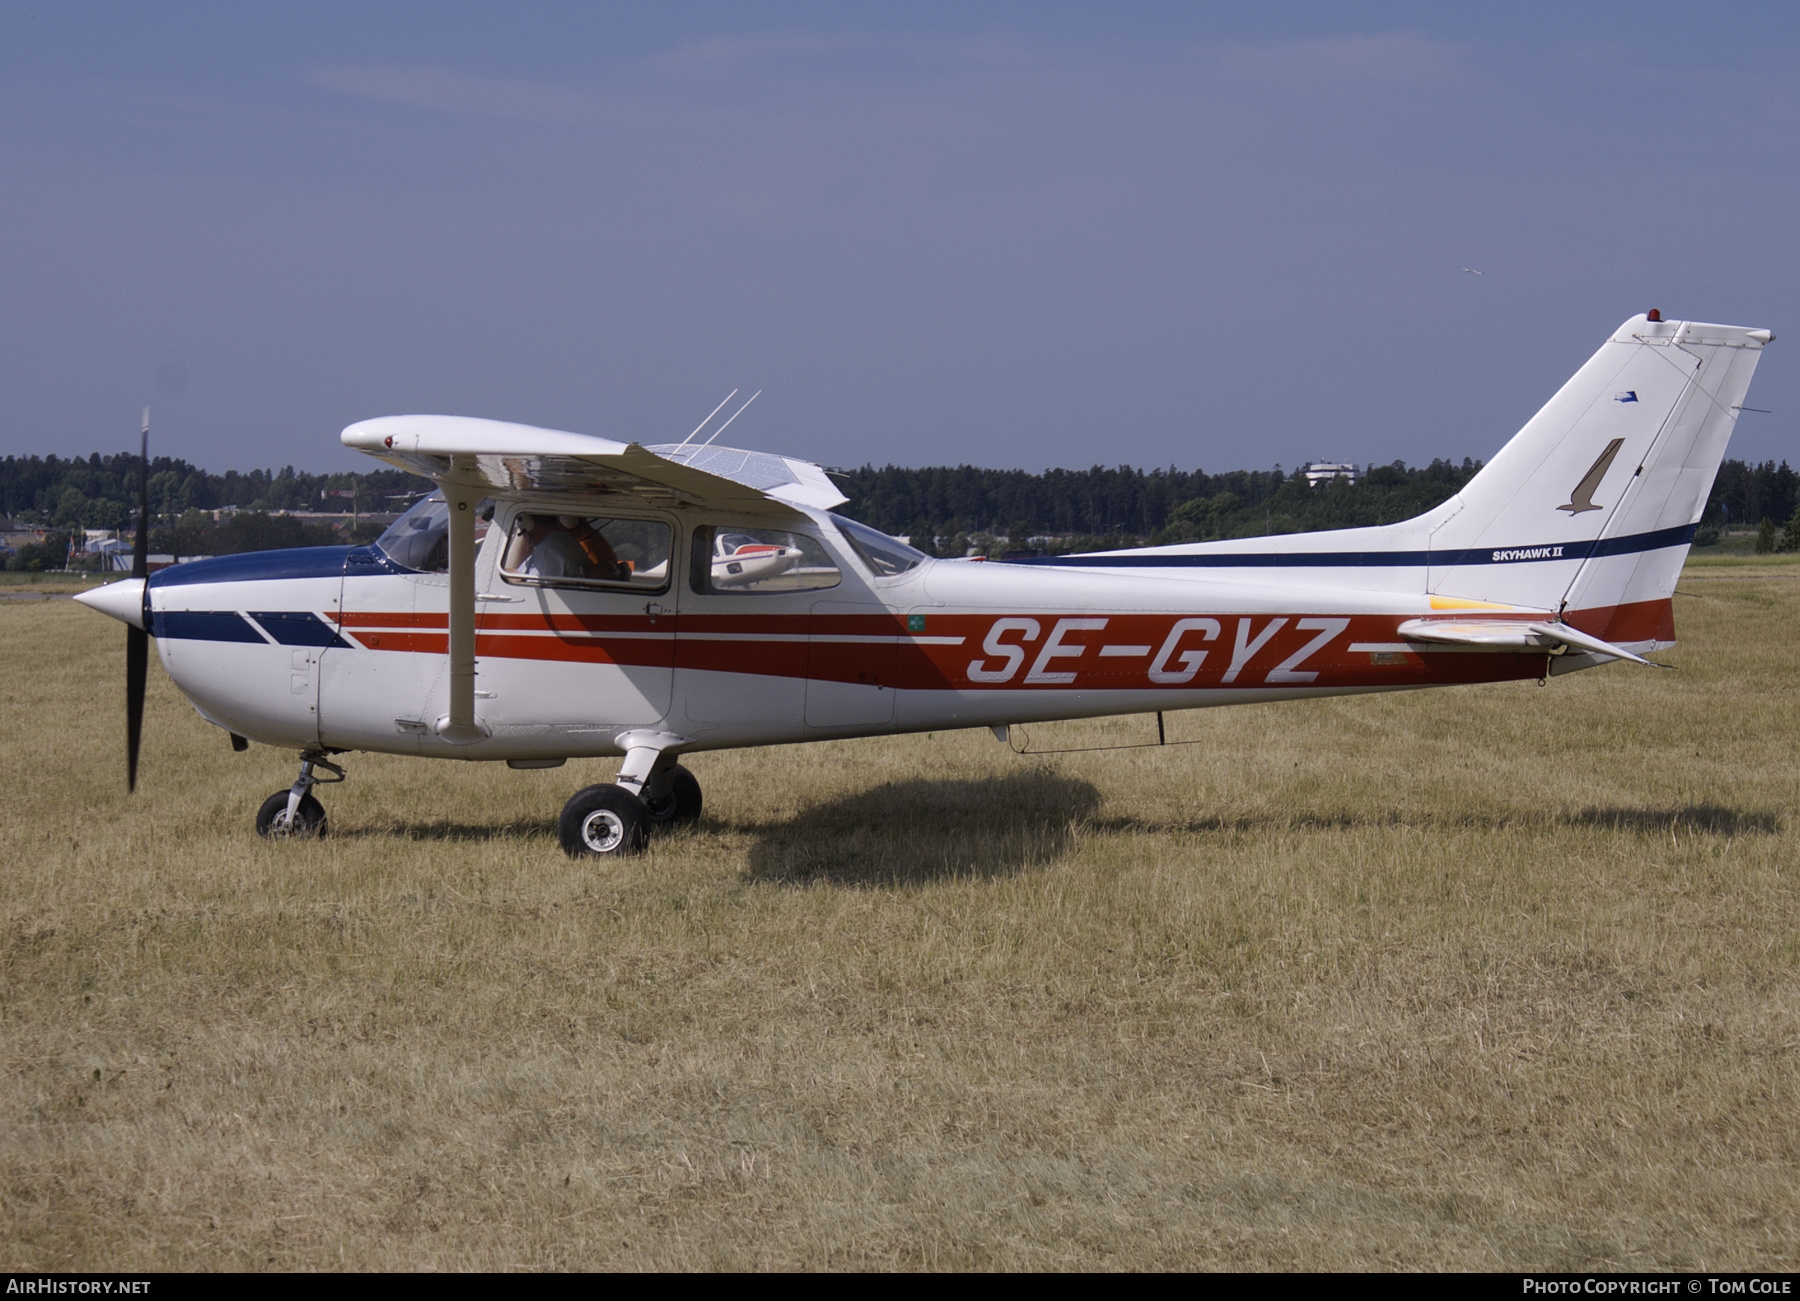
[1533, 554]
[297, 628]
[257, 566]
[287, 627]
[204, 625]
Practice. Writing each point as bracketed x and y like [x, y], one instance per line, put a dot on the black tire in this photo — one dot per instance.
[309, 818]
[682, 804]
[603, 822]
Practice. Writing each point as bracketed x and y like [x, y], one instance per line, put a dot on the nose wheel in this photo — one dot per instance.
[306, 822]
[293, 814]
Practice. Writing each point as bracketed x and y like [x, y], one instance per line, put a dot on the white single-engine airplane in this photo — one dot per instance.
[567, 596]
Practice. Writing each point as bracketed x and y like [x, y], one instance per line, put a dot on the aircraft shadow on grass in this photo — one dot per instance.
[1712, 818]
[922, 830]
[529, 828]
[1686, 819]
[919, 831]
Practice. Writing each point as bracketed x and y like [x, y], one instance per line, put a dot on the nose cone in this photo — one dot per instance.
[123, 600]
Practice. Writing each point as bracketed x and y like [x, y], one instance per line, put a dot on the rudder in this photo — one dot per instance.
[1591, 507]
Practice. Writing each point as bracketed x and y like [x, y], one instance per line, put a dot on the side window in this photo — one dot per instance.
[595, 551]
[728, 559]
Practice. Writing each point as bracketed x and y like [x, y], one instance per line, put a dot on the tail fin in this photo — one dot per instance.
[1613, 473]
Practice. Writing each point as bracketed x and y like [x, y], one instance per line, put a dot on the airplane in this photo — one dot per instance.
[568, 596]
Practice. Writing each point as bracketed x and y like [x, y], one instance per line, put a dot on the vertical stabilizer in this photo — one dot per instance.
[1592, 505]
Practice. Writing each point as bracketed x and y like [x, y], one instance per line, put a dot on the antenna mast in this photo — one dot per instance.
[697, 428]
[734, 415]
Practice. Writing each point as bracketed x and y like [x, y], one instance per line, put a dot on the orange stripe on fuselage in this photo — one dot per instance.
[1640, 621]
[900, 655]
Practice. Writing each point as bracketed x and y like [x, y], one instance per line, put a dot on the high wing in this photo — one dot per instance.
[505, 457]
[470, 458]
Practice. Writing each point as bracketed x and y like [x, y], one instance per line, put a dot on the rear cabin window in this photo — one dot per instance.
[587, 551]
[729, 560]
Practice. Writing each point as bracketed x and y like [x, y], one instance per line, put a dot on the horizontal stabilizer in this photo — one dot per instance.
[1516, 635]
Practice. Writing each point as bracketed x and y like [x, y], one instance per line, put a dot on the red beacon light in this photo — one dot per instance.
[1653, 315]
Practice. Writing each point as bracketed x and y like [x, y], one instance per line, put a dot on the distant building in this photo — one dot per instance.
[121, 561]
[1318, 472]
[24, 535]
[99, 542]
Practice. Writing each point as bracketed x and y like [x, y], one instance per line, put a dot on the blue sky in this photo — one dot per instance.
[1012, 235]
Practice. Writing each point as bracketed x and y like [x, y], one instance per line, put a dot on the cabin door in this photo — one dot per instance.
[575, 626]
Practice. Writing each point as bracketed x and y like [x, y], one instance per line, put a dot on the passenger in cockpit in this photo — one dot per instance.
[603, 561]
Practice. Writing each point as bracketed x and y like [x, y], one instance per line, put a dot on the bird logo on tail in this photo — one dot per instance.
[1583, 496]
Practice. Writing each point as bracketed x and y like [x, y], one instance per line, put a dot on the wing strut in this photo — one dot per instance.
[459, 726]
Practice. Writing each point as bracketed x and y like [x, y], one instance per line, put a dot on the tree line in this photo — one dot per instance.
[101, 492]
[945, 510]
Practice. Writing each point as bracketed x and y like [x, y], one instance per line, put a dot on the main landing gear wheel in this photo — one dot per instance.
[603, 822]
[681, 804]
[272, 818]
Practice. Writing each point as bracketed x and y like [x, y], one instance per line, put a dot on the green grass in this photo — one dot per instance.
[1491, 978]
[50, 583]
[1740, 563]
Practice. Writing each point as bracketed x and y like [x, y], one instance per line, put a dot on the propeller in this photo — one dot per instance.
[137, 640]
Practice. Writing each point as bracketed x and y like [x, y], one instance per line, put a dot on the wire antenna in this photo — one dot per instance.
[734, 415]
[702, 425]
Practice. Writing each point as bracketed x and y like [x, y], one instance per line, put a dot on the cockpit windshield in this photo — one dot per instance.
[884, 556]
[420, 539]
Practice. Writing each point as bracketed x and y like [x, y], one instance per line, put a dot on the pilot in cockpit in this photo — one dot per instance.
[567, 546]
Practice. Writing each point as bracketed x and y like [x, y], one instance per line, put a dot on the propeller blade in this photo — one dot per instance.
[137, 640]
[140, 551]
[137, 661]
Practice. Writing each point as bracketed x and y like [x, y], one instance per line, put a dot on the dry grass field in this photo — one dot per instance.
[1495, 978]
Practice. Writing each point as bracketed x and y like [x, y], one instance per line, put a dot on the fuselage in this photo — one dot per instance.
[345, 648]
